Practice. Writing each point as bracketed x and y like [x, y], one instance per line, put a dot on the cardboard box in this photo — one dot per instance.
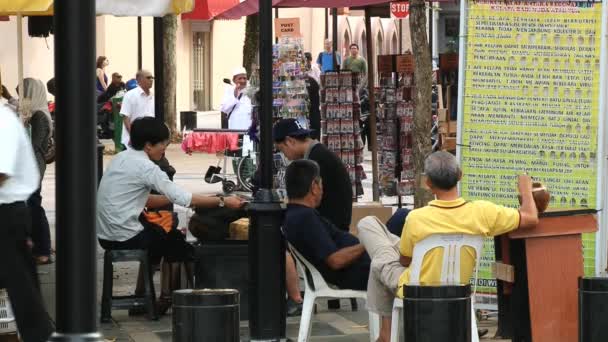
[239, 229]
[361, 210]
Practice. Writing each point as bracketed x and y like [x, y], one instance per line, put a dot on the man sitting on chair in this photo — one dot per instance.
[337, 254]
[448, 214]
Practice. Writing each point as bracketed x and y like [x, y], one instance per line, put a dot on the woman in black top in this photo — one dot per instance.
[38, 119]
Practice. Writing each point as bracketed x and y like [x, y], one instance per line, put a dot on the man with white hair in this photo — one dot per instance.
[447, 214]
[137, 103]
[236, 105]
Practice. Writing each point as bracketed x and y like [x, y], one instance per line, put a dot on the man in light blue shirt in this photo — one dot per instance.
[325, 60]
[125, 188]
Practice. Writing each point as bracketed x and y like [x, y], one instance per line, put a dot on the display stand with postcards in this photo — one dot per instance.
[395, 109]
[290, 96]
[340, 112]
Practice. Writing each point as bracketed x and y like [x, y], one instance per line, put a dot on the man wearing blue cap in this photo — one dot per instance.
[294, 140]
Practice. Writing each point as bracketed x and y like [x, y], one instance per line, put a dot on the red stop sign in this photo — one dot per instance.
[400, 9]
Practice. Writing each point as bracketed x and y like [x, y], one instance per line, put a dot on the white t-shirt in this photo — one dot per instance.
[136, 104]
[17, 160]
[239, 109]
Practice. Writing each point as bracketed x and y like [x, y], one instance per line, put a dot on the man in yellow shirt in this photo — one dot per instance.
[447, 214]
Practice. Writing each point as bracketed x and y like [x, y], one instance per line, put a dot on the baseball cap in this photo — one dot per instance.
[289, 128]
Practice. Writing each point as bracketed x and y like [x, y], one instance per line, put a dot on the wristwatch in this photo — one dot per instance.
[222, 203]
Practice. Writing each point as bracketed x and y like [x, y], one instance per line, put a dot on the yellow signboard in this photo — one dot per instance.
[531, 100]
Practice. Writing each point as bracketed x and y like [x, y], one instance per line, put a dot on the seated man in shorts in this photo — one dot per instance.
[448, 214]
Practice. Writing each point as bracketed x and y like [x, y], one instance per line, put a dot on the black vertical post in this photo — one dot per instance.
[266, 245]
[139, 45]
[276, 16]
[431, 32]
[76, 168]
[372, 104]
[400, 36]
[326, 24]
[334, 36]
[159, 69]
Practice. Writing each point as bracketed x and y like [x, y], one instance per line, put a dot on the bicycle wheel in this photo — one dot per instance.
[245, 172]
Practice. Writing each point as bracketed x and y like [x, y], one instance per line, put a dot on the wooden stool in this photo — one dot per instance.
[109, 301]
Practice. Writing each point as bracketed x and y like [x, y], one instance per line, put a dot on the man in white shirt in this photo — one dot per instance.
[19, 178]
[137, 103]
[236, 104]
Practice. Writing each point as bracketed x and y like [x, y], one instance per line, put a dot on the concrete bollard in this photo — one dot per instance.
[206, 315]
[593, 309]
[437, 313]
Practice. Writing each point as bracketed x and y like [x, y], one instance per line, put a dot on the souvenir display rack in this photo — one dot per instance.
[340, 112]
[395, 114]
[290, 96]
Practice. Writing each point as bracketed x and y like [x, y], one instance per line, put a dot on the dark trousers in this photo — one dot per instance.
[41, 233]
[18, 274]
[147, 239]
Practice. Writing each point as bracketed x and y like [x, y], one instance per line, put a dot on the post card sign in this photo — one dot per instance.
[287, 27]
[531, 103]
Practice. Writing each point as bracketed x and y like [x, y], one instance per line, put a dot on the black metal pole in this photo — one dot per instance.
[326, 24]
[334, 36]
[372, 105]
[430, 15]
[76, 168]
[276, 16]
[400, 36]
[159, 69]
[266, 246]
[139, 45]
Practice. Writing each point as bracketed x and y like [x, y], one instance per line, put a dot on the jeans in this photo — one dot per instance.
[41, 232]
[18, 274]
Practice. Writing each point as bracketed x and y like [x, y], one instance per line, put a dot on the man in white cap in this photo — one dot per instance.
[237, 105]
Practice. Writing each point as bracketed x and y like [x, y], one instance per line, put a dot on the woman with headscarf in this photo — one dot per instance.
[34, 112]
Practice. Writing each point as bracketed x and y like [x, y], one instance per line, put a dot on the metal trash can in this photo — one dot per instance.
[187, 119]
[206, 315]
[593, 309]
[437, 313]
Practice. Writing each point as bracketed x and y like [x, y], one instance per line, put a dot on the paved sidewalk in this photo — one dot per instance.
[341, 325]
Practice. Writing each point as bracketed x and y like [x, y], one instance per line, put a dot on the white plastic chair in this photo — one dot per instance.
[316, 287]
[452, 245]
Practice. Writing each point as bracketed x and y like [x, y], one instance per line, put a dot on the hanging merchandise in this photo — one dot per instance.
[340, 112]
[395, 124]
[290, 96]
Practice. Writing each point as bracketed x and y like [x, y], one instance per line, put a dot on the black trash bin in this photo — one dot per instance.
[188, 120]
[206, 315]
[593, 309]
[437, 313]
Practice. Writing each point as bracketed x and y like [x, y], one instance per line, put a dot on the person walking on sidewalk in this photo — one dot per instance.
[137, 103]
[19, 179]
[328, 60]
[355, 62]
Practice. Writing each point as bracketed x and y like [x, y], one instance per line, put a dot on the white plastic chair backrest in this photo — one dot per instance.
[452, 245]
[308, 271]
